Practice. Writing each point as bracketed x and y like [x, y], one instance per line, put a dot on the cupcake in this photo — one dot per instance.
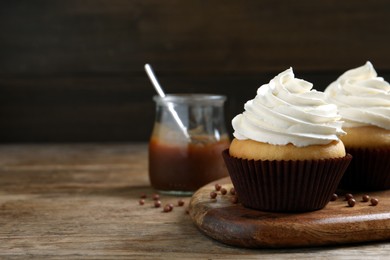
[363, 100]
[286, 154]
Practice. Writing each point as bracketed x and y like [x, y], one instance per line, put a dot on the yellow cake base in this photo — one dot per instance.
[249, 149]
[366, 137]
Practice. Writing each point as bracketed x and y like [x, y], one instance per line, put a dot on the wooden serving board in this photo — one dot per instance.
[337, 223]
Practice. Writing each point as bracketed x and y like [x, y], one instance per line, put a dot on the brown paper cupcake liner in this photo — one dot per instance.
[285, 186]
[368, 171]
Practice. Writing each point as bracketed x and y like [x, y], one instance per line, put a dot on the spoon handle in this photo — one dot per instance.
[154, 80]
[161, 93]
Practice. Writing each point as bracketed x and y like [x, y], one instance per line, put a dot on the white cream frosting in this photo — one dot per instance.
[362, 97]
[287, 110]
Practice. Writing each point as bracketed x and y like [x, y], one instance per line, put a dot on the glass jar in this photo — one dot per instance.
[185, 148]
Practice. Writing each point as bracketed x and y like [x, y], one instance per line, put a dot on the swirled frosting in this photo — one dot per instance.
[287, 110]
[362, 97]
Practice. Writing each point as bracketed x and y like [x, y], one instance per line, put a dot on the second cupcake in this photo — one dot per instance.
[286, 155]
[363, 100]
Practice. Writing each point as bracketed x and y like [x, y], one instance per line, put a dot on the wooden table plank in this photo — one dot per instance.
[81, 201]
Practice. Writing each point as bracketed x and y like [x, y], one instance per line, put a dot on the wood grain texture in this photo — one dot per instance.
[336, 224]
[73, 70]
[81, 201]
[117, 36]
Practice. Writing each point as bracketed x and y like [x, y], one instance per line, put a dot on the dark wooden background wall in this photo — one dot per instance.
[72, 70]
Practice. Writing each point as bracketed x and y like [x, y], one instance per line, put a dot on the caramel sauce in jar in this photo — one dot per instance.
[187, 155]
[185, 167]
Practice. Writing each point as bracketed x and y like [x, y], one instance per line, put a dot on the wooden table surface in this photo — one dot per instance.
[81, 201]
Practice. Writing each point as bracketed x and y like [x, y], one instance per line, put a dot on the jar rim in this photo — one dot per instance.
[191, 98]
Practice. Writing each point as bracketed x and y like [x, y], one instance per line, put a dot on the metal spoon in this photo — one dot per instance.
[161, 93]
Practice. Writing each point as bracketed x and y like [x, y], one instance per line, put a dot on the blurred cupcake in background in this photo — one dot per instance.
[363, 101]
